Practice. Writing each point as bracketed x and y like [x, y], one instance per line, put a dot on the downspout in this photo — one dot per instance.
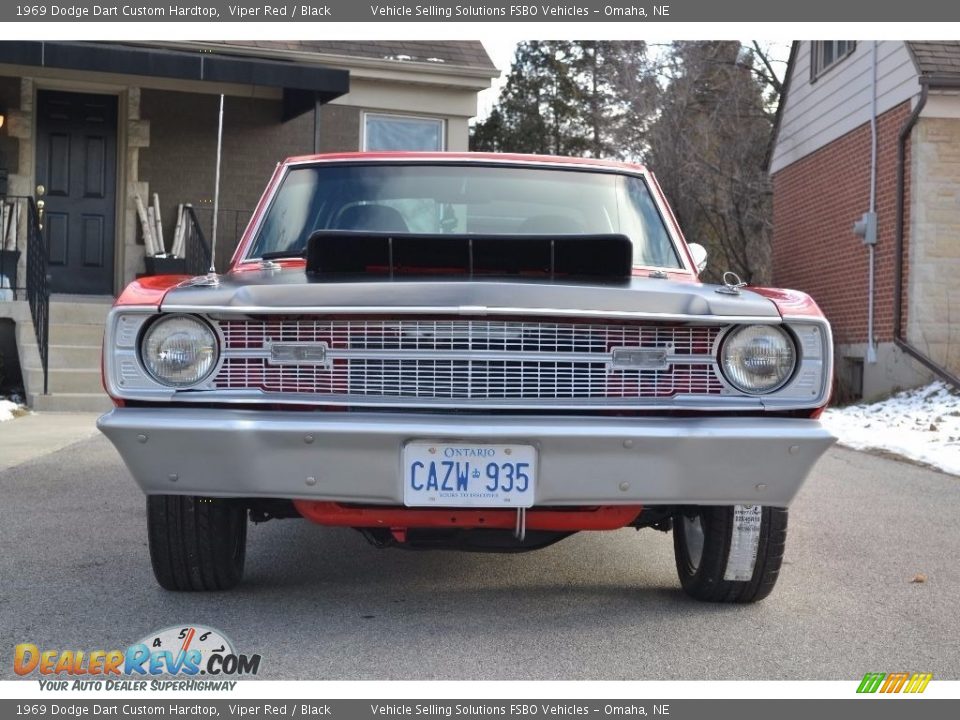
[872, 242]
[898, 337]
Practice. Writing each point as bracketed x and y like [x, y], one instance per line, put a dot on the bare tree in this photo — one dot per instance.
[699, 114]
[707, 147]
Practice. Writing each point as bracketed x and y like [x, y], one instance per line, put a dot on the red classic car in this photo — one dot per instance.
[472, 351]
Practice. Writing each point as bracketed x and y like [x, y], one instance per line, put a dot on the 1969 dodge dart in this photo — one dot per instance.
[467, 351]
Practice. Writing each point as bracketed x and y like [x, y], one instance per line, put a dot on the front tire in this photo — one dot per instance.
[704, 546]
[196, 543]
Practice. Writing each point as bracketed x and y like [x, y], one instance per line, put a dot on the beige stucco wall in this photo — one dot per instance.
[933, 293]
[454, 105]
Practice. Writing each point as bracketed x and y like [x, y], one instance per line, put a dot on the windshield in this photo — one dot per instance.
[463, 200]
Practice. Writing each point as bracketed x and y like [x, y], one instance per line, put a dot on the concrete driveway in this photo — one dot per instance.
[323, 604]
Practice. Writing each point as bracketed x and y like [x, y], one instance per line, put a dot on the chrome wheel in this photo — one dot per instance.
[693, 535]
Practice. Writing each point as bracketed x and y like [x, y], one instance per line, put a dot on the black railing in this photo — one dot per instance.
[23, 231]
[26, 222]
[196, 249]
[38, 287]
[230, 226]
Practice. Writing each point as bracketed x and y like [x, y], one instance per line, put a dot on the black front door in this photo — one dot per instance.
[77, 165]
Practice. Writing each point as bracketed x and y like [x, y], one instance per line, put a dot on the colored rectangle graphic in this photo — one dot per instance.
[899, 682]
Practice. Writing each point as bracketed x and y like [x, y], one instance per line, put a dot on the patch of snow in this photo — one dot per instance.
[6, 409]
[435, 60]
[401, 58]
[921, 424]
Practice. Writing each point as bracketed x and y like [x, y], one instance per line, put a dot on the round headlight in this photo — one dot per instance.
[179, 350]
[758, 359]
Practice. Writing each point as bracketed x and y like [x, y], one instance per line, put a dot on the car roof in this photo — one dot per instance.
[468, 157]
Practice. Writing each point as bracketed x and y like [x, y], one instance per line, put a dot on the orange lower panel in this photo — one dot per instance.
[609, 517]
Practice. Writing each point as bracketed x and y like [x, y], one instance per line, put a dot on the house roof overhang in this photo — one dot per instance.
[784, 89]
[303, 84]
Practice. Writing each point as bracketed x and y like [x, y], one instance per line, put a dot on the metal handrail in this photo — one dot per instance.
[38, 286]
[231, 224]
[196, 249]
[37, 280]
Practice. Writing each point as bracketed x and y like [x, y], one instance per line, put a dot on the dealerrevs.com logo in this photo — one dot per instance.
[182, 651]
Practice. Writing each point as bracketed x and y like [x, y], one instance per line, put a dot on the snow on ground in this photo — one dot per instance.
[7, 408]
[921, 424]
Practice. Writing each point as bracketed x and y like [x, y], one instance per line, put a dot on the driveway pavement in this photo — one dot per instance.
[322, 604]
[37, 434]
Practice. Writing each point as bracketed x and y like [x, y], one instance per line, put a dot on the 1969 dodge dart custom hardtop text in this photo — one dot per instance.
[480, 352]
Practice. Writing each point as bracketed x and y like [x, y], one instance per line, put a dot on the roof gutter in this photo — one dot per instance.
[333, 60]
[898, 337]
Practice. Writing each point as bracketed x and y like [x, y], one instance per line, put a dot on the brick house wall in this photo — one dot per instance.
[180, 161]
[816, 201]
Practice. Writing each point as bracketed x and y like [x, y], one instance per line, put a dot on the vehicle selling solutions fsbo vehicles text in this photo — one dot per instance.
[479, 11]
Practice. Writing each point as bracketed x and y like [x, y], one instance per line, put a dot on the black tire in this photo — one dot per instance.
[196, 543]
[704, 580]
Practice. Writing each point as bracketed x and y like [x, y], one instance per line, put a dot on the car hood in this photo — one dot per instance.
[293, 291]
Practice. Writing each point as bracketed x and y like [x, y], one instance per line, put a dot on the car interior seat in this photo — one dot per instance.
[376, 218]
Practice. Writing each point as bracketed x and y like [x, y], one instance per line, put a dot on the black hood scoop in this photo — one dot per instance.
[339, 253]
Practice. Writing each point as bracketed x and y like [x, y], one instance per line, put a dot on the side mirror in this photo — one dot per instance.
[699, 253]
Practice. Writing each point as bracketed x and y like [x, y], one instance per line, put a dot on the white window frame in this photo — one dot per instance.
[400, 116]
[817, 66]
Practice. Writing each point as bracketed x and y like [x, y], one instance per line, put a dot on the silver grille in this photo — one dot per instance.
[468, 360]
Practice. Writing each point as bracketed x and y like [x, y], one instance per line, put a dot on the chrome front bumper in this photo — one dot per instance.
[355, 457]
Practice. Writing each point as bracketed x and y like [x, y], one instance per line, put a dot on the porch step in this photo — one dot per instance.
[70, 402]
[81, 312]
[76, 340]
[73, 357]
[86, 334]
[64, 380]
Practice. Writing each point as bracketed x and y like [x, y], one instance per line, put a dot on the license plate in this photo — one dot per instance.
[451, 474]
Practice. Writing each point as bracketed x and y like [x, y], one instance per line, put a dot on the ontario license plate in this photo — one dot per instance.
[451, 474]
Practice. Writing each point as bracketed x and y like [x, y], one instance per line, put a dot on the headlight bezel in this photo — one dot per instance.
[152, 326]
[785, 331]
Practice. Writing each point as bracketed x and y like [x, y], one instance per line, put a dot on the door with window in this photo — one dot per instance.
[77, 169]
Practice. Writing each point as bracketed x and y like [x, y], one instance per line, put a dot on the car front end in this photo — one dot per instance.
[475, 382]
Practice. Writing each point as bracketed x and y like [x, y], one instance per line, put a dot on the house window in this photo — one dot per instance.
[402, 132]
[824, 54]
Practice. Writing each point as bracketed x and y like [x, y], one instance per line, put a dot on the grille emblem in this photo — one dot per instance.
[641, 358]
[298, 353]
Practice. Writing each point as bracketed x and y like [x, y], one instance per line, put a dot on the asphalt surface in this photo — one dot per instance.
[322, 604]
